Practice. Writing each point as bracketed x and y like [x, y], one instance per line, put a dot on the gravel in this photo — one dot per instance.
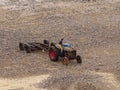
[93, 28]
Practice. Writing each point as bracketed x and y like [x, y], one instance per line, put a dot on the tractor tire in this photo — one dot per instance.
[53, 53]
[28, 49]
[46, 42]
[21, 46]
[79, 59]
[65, 61]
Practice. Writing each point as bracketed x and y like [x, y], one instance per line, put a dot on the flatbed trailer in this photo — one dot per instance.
[29, 47]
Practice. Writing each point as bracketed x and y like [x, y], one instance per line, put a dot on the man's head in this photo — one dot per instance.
[62, 39]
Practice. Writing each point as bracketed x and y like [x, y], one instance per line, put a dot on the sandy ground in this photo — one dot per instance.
[24, 83]
[93, 28]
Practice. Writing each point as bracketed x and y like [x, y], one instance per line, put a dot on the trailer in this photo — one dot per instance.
[34, 46]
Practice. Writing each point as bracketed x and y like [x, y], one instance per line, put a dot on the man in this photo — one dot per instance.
[60, 45]
[61, 41]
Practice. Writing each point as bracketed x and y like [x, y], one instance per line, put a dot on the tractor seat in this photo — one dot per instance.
[66, 45]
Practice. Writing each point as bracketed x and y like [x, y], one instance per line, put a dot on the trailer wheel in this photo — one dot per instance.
[53, 53]
[79, 59]
[65, 61]
[28, 49]
[21, 46]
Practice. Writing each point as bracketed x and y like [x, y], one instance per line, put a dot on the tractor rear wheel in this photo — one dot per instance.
[79, 59]
[65, 61]
[53, 53]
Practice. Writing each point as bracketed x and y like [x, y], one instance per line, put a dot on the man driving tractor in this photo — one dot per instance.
[62, 45]
[62, 50]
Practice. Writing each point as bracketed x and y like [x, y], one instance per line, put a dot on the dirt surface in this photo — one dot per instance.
[92, 27]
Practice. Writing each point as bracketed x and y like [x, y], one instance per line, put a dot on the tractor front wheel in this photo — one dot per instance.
[65, 61]
[79, 59]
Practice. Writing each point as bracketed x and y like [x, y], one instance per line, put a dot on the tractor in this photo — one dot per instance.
[64, 50]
